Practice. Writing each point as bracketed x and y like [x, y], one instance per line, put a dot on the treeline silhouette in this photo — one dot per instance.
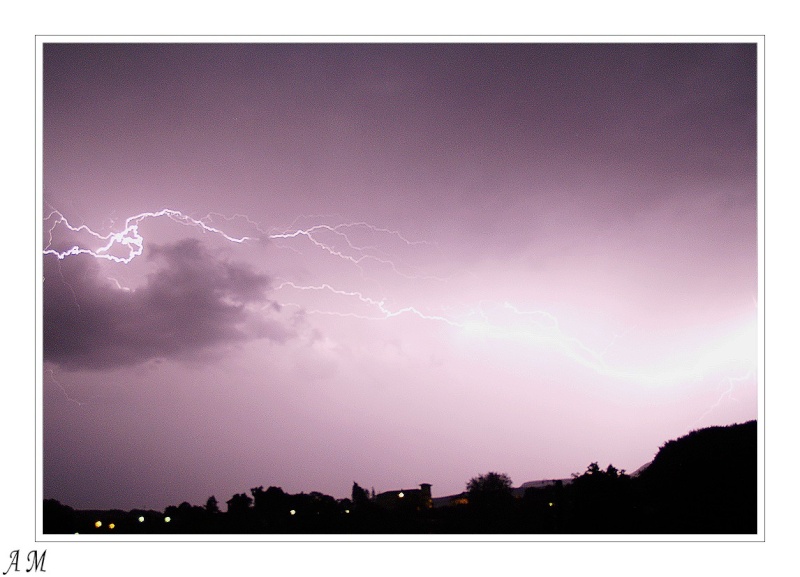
[702, 483]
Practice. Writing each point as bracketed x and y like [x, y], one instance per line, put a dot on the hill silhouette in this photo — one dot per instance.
[702, 483]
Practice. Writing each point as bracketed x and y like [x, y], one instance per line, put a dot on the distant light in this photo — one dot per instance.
[141, 519]
[111, 525]
[550, 504]
[292, 512]
[347, 510]
[401, 495]
[98, 524]
[167, 519]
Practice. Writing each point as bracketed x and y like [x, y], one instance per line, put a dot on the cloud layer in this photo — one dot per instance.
[193, 302]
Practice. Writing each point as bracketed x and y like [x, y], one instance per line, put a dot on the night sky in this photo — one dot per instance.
[389, 263]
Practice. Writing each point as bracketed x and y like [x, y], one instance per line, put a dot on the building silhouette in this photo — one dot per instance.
[408, 499]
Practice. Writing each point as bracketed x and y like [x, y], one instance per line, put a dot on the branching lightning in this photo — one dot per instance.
[726, 394]
[131, 241]
[61, 387]
[129, 238]
[361, 255]
[488, 319]
[384, 312]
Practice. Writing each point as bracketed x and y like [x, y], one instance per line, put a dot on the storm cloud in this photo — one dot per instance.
[193, 302]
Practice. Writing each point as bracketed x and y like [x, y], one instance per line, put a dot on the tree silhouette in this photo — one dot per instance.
[360, 495]
[491, 503]
[602, 500]
[239, 503]
[272, 504]
[212, 506]
[491, 486]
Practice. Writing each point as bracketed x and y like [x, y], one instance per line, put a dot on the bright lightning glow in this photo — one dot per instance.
[542, 330]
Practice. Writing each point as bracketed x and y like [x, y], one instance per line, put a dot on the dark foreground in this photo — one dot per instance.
[703, 483]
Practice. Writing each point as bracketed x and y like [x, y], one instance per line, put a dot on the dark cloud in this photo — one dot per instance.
[193, 303]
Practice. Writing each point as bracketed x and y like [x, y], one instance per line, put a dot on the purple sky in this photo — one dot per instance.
[390, 264]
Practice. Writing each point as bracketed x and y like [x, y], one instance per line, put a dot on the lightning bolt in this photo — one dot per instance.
[487, 319]
[726, 394]
[361, 255]
[129, 238]
[384, 312]
[131, 241]
[61, 387]
[118, 285]
[545, 330]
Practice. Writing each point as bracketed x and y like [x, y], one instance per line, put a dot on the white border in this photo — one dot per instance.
[597, 39]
